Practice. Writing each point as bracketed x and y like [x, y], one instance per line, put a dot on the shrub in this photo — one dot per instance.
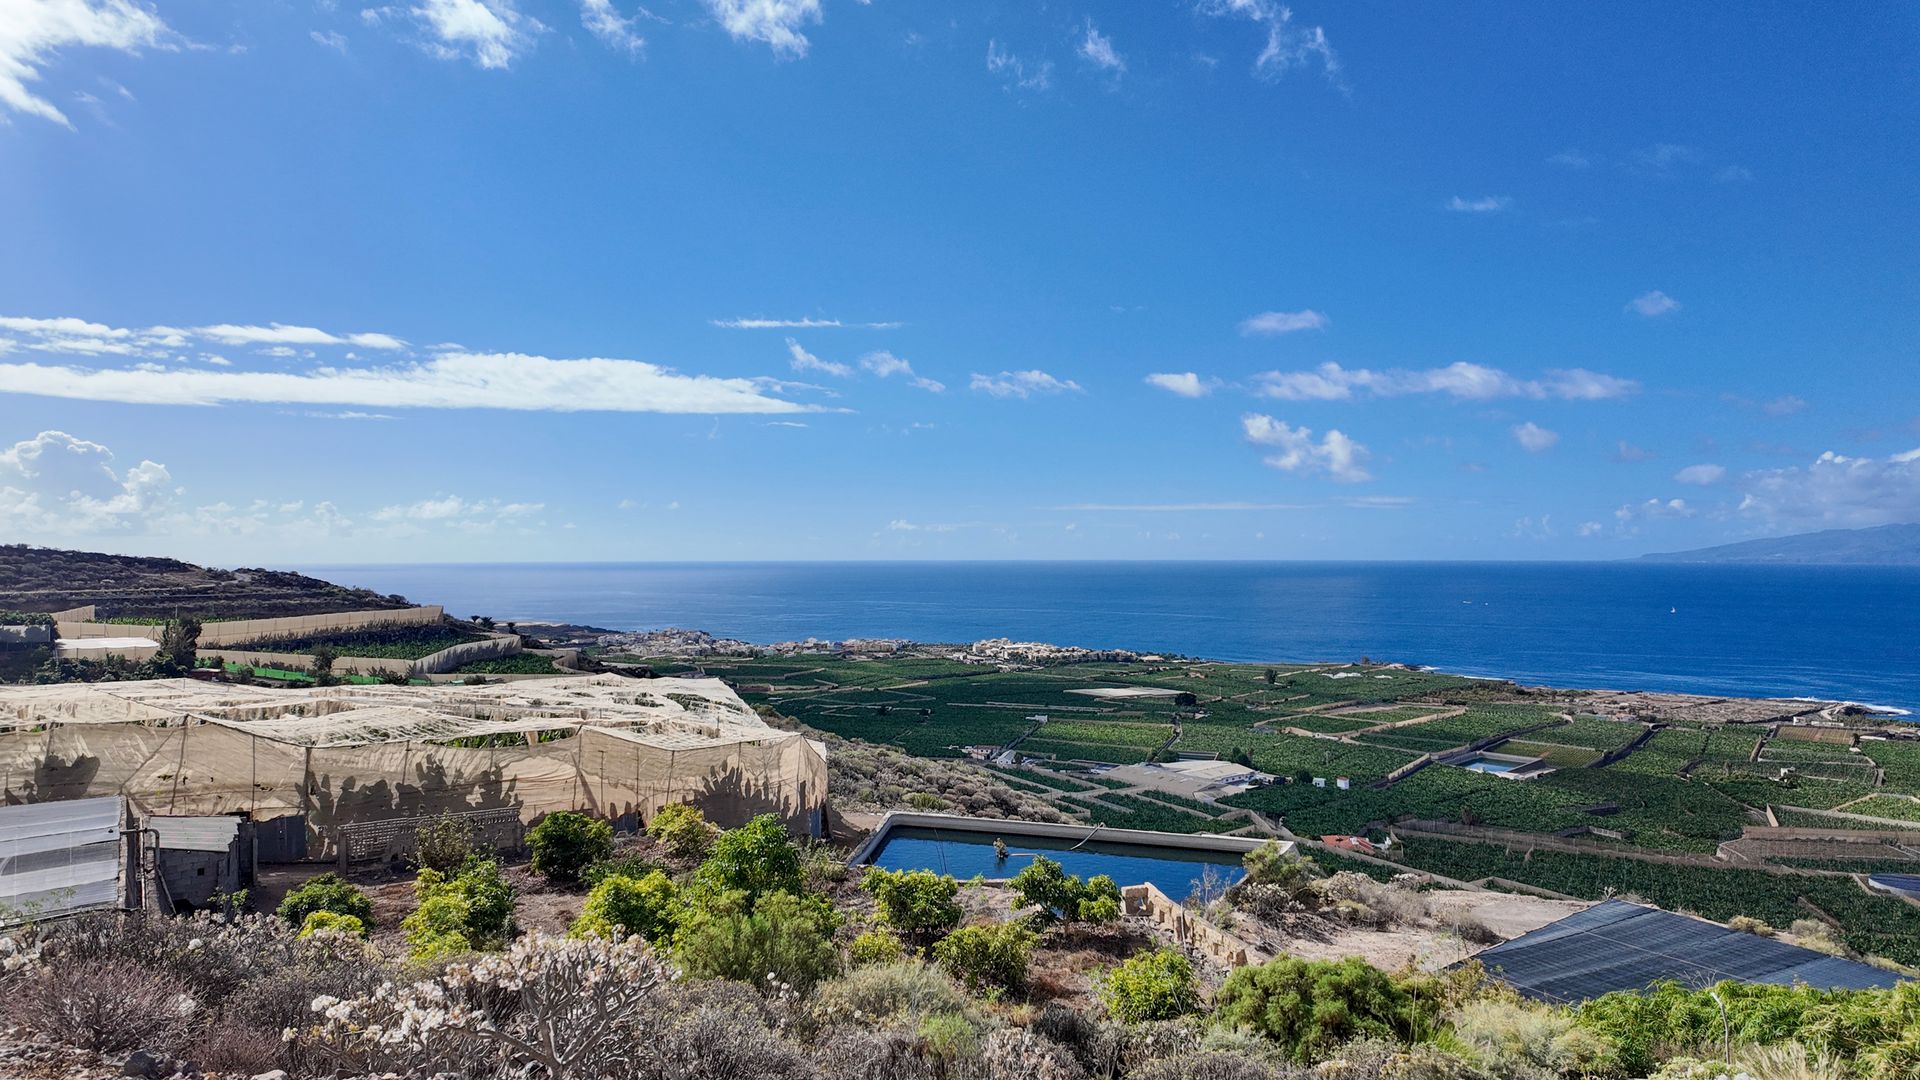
[470, 911]
[779, 937]
[719, 1043]
[683, 829]
[647, 906]
[331, 921]
[325, 892]
[444, 844]
[1311, 1007]
[104, 1004]
[875, 947]
[1747, 924]
[756, 858]
[949, 1037]
[1516, 1038]
[988, 957]
[1157, 985]
[1062, 897]
[632, 865]
[565, 843]
[918, 903]
[885, 992]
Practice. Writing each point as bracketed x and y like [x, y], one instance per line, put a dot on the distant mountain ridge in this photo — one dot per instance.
[1882, 545]
[50, 579]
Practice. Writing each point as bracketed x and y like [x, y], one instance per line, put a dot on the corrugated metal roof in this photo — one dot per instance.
[194, 833]
[1615, 945]
[58, 857]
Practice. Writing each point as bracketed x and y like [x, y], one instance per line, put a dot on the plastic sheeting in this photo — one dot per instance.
[608, 744]
[59, 857]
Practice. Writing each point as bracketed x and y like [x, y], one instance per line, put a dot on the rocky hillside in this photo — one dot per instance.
[48, 579]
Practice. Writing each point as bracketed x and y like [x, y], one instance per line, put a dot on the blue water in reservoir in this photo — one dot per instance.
[965, 855]
[1845, 633]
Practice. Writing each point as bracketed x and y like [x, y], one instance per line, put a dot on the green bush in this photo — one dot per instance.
[1311, 1007]
[566, 843]
[990, 957]
[757, 858]
[779, 937]
[318, 921]
[1062, 897]
[884, 993]
[1157, 985]
[472, 910]
[875, 947]
[444, 844]
[918, 903]
[683, 829]
[631, 864]
[647, 906]
[325, 892]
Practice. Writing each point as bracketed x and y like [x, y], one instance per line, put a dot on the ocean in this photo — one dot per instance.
[1842, 633]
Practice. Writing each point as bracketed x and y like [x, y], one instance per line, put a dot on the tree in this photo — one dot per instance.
[565, 843]
[469, 910]
[1312, 1007]
[647, 906]
[444, 844]
[1155, 985]
[756, 858]
[323, 658]
[1272, 676]
[179, 646]
[919, 904]
[1062, 897]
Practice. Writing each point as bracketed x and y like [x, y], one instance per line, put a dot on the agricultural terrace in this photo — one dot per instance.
[1640, 809]
[384, 642]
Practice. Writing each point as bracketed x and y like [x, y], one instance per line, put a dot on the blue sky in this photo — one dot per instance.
[450, 280]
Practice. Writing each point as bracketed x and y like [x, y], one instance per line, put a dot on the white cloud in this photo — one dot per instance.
[448, 381]
[1653, 304]
[605, 22]
[1700, 475]
[331, 39]
[776, 22]
[480, 515]
[1472, 382]
[903, 525]
[1184, 383]
[1785, 405]
[1097, 49]
[1534, 438]
[1288, 46]
[1836, 491]
[32, 32]
[1022, 384]
[1016, 73]
[56, 485]
[886, 365]
[1662, 156]
[1591, 528]
[1569, 159]
[1627, 452]
[802, 360]
[1177, 508]
[280, 334]
[1485, 204]
[1653, 508]
[1295, 450]
[1269, 323]
[799, 324]
[491, 33]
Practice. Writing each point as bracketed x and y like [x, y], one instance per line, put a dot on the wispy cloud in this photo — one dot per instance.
[605, 22]
[886, 365]
[1016, 73]
[32, 33]
[776, 22]
[454, 512]
[1785, 405]
[1533, 438]
[1570, 159]
[1294, 449]
[331, 39]
[1272, 323]
[802, 360]
[1484, 204]
[1022, 384]
[1288, 46]
[1097, 49]
[1472, 382]
[1701, 475]
[799, 324]
[1177, 508]
[1653, 304]
[491, 33]
[1184, 383]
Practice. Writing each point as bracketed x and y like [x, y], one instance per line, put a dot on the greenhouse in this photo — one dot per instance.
[616, 747]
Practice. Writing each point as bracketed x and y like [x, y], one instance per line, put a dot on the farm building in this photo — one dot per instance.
[311, 767]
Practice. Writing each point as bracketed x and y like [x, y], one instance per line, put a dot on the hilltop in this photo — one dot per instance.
[50, 579]
[1884, 545]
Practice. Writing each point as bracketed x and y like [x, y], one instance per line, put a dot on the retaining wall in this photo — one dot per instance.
[453, 656]
[342, 665]
[239, 631]
[1189, 930]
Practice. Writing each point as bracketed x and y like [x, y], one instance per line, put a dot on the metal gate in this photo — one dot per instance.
[60, 857]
